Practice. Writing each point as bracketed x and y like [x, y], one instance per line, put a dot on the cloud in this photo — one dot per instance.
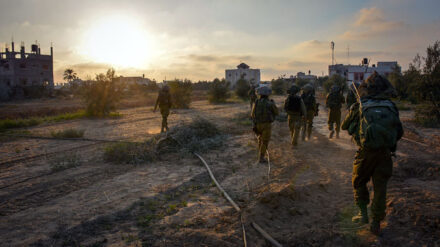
[370, 23]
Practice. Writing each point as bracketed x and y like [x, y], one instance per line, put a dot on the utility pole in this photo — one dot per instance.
[332, 46]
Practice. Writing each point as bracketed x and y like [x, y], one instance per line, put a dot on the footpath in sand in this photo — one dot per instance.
[306, 201]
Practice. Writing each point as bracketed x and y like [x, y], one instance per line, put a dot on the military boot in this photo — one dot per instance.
[375, 227]
[362, 216]
[337, 134]
[331, 134]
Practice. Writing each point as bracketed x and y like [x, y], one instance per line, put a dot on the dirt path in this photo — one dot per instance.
[171, 202]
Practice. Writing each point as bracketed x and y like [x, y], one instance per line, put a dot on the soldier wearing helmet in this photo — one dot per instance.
[374, 124]
[334, 102]
[308, 97]
[164, 103]
[296, 111]
[263, 114]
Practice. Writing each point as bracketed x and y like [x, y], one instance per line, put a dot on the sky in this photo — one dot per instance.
[199, 39]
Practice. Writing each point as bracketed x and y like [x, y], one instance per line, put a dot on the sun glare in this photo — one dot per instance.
[119, 41]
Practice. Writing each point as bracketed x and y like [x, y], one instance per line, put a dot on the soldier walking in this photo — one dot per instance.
[375, 126]
[164, 103]
[296, 111]
[252, 96]
[263, 114]
[334, 102]
[312, 108]
[351, 97]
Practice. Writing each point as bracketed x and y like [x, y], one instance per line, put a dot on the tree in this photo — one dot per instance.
[335, 80]
[429, 87]
[278, 86]
[396, 79]
[180, 91]
[102, 95]
[69, 75]
[242, 88]
[301, 82]
[218, 91]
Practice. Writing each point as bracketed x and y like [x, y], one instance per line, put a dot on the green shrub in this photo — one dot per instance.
[335, 80]
[130, 153]
[102, 95]
[242, 89]
[67, 133]
[180, 93]
[427, 115]
[278, 86]
[301, 82]
[218, 91]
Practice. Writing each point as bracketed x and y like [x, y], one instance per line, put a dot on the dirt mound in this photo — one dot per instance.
[413, 167]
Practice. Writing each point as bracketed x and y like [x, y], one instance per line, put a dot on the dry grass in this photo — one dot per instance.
[67, 133]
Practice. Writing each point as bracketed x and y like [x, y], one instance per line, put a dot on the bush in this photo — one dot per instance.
[218, 91]
[278, 86]
[180, 93]
[242, 89]
[301, 82]
[198, 136]
[335, 80]
[67, 133]
[130, 153]
[102, 95]
[427, 115]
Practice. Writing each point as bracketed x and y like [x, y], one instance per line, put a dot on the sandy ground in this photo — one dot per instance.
[305, 201]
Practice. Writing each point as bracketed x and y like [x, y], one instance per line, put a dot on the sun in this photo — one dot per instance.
[118, 40]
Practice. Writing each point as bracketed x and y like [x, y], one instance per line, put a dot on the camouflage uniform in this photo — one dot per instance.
[252, 96]
[263, 114]
[295, 118]
[164, 103]
[375, 164]
[351, 98]
[334, 102]
[312, 110]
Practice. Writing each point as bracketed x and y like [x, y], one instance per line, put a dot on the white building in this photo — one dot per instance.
[243, 71]
[358, 73]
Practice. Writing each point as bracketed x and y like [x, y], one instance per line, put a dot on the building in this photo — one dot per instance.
[358, 73]
[131, 80]
[242, 71]
[21, 71]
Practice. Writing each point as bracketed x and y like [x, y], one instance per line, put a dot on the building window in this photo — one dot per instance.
[45, 66]
[6, 66]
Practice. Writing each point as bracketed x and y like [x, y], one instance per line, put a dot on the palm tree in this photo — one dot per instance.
[69, 75]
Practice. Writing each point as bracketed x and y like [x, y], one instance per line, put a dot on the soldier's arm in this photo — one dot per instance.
[157, 102]
[253, 111]
[303, 108]
[275, 109]
[351, 116]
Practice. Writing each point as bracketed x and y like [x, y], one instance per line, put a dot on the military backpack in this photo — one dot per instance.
[309, 101]
[164, 99]
[263, 111]
[334, 100]
[293, 104]
[379, 120]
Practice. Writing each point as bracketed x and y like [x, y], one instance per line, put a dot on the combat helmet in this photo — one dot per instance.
[264, 91]
[335, 89]
[165, 88]
[308, 88]
[293, 89]
[376, 85]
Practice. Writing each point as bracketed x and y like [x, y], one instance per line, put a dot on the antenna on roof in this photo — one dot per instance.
[348, 54]
[332, 46]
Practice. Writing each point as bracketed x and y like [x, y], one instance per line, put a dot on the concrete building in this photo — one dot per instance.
[20, 71]
[242, 71]
[358, 73]
[130, 80]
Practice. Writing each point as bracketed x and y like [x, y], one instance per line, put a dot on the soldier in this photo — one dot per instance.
[375, 126]
[263, 114]
[296, 111]
[252, 96]
[164, 102]
[351, 97]
[334, 102]
[308, 97]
